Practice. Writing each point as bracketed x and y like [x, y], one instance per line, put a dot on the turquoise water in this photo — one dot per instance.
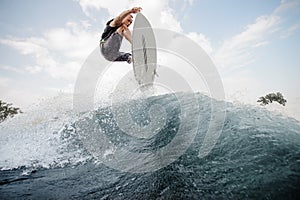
[257, 155]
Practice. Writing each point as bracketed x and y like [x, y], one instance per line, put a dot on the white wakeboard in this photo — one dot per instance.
[143, 51]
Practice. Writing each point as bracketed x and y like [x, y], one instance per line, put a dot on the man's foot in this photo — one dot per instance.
[129, 60]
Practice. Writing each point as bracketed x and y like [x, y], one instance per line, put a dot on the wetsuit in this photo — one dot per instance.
[110, 44]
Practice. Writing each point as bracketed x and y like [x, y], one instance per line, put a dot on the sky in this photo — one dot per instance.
[254, 44]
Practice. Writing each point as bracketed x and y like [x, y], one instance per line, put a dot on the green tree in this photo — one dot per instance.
[7, 110]
[269, 98]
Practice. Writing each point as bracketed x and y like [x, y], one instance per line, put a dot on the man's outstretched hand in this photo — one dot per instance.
[136, 9]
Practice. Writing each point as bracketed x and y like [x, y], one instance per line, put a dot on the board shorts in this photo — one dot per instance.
[110, 49]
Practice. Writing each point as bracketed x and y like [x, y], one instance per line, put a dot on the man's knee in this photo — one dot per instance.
[120, 30]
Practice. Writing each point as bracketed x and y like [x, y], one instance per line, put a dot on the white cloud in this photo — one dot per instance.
[190, 2]
[186, 2]
[11, 68]
[286, 5]
[33, 69]
[25, 46]
[158, 13]
[201, 40]
[237, 51]
[59, 52]
[74, 41]
[290, 31]
[113, 7]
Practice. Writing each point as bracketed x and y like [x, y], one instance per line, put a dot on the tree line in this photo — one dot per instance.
[272, 97]
[7, 110]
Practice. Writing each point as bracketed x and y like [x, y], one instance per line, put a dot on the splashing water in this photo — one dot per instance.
[256, 151]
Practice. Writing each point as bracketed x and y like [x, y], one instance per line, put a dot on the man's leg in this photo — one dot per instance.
[124, 57]
[110, 49]
[124, 31]
[127, 35]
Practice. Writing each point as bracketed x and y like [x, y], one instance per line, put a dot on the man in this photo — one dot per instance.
[113, 34]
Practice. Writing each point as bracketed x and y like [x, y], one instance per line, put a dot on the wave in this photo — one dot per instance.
[255, 151]
[49, 135]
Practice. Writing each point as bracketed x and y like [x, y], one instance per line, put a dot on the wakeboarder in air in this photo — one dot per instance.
[113, 34]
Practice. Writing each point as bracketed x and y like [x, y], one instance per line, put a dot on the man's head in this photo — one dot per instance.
[127, 20]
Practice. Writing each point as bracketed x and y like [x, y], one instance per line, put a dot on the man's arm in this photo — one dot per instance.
[118, 20]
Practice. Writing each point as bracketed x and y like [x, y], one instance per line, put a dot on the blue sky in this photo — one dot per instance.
[254, 43]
